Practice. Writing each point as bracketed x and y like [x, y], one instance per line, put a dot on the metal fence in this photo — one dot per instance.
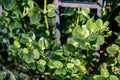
[95, 4]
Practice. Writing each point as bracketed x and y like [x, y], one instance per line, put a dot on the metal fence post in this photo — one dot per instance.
[58, 34]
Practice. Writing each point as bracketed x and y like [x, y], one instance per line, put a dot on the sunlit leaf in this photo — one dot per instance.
[113, 77]
[51, 10]
[42, 61]
[100, 40]
[58, 64]
[104, 72]
[17, 44]
[99, 77]
[70, 65]
[43, 43]
[25, 50]
[36, 54]
[112, 49]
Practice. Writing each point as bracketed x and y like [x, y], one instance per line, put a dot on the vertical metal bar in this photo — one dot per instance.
[0, 10]
[100, 3]
[58, 34]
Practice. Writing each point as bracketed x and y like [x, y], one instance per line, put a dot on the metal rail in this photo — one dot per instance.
[58, 3]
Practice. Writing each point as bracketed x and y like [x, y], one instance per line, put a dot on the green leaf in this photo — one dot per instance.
[82, 68]
[70, 48]
[2, 75]
[105, 25]
[68, 12]
[100, 40]
[51, 10]
[99, 23]
[60, 71]
[72, 42]
[75, 61]
[79, 33]
[12, 77]
[24, 39]
[58, 64]
[99, 77]
[25, 50]
[113, 77]
[104, 72]
[43, 43]
[35, 18]
[117, 18]
[85, 10]
[118, 40]
[29, 58]
[42, 62]
[70, 65]
[89, 25]
[31, 66]
[36, 54]
[9, 4]
[41, 67]
[31, 34]
[93, 36]
[17, 44]
[112, 49]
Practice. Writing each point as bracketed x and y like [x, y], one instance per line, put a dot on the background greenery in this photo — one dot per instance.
[28, 48]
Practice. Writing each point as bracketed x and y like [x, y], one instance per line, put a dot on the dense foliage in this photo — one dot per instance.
[29, 50]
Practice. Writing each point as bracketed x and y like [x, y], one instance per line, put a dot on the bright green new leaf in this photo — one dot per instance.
[105, 25]
[100, 40]
[51, 10]
[17, 44]
[41, 68]
[99, 23]
[89, 25]
[9, 4]
[25, 50]
[75, 61]
[104, 72]
[43, 43]
[99, 77]
[112, 49]
[70, 65]
[79, 33]
[82, 68]
[113, 77]
[36, 54]
[72, 42]
[42, 62]
[58, 64]
[85, 10]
